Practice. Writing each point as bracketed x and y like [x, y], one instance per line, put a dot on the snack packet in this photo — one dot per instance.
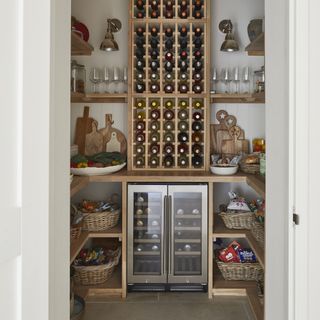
[237, 203]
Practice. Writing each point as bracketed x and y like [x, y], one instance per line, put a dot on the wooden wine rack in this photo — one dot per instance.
[139, 153]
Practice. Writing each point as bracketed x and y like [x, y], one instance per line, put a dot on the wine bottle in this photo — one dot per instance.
[154, 53]
[169, 126]
[183, 65]
[183, 137]
[155, 137]
[154, 104]
[154, 31]
[197, 65]
[168, 148]
[183, 126]
[141, 115]
[140, 104]
[197, 149]
[183, 54]
[154, 65]
[154, 87]
[140, 148]
[183, 43]
[197, 54]
[140, 87]
[169, 137]
[197, 116]
[141, 14]
[183, 76]
[140, 31]
[168, 88]
[140, 53]
[197, 31]
[168, 44]
[154, 43]
[197, 42]
[197, 104]
[168, 77]
[169, 9]
[154, 161]
[183, 161]
[183, 104]
[182, 148]
[197, 4]
[169, 56]
[155, 14]
[197, 126]
[197, 14]
[197, 161]
[155, 114]
[140, 76]
[140, 4]
[183, 88]
[140, 42]
[140, 136]
[196, 137]
[169, 104]
[169, 32]
[155, 126]
[140, 161]
[197, 77]
[140, 126]
[168, 161]
[183, 31]
[168, 66]
[154, 77]
[197, 88]
[183, 114]
[140, 64]
[154, 4]
[168, 114]
[154, 148]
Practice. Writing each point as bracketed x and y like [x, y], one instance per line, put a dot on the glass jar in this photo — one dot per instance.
[259, 80]
[78, 77]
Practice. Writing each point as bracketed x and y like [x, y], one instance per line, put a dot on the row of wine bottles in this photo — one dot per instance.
[168, 104]
[188, 57]
[184, 8]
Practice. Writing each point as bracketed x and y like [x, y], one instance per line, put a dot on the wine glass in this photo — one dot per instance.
[125, 79]
[246, 80]
[116, 78]
[95, 78]
[106, 78]
[226, 79]
[236, 80]
[214, 80]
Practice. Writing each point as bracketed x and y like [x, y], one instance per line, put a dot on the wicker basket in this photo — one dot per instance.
[239, 220]
[92, 275]
[250, 168]
[99, 221]
[240, 271]
[75, 231]
[257, 231]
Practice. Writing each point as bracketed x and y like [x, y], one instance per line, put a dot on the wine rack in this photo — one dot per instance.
[169, 92]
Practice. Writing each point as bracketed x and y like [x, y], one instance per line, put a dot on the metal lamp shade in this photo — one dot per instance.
[229, 44]
[109, 44]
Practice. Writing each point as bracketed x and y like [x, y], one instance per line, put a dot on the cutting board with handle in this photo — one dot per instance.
[235, 145]
[113, 139]
[94, 141]
[215, 128]
[83, 127]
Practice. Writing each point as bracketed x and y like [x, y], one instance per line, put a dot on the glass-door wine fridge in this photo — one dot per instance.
[167, 237]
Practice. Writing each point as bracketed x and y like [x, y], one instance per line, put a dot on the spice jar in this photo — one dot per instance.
[259, 80]
[78, 77]
[259, 145]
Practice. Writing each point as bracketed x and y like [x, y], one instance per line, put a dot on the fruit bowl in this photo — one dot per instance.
[95, 171]
[224, 170]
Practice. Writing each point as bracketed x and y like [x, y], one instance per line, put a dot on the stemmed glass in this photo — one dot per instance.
[95, 78]
[106, 78]
[125, 79]
[246, 80]
[226, 79]
[214, 80]
[236, 80]
[116, 78]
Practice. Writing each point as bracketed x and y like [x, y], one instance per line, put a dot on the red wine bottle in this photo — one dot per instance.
[154, 88]
[154, 148]
[183, 43]
[168, 88]
[183, 126]
[183, 161]
[197, 42]
[197, 4]
[140, 42]
[168, 66]
[168, 114]
[183, 31]
[197, 77]
[139, 161]
[154, 161]
[168, 161]
[140, 31]
[197, 116]
[154, 31]
[183, 88]
[155, 114]
[182, 148]
[141, 14]
[197, 161]
[155, 125]
[197, 126]
[140, 4]
[183, 76]
[183, 137]
[183, 54]
[197, 54]
[197, 88]
[154, 77]
[140, 126]
[154, 43]
[198, 65]
[140, 148]
[169, 44]
[197, 149]
[169, 126]
[169, 32]
[168, 77]
[140, 136]
[169, 56]
[197, 14]
[183, 65]
[168, 148]
[154, 53]
[183, 114]
[140, 76]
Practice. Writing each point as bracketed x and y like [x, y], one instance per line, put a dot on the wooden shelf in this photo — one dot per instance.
[113, 287]
[238, 288]
[99, 98]
[238, 98]
[221, 231]
[256, 47]
[255, 182]
[79, 47]
[78, 244]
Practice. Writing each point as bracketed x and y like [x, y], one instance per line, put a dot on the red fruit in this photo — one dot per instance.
[91, 163]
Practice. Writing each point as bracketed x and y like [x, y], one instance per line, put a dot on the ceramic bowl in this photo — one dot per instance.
[224, 171]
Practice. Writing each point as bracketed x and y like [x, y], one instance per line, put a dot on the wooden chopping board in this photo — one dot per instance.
[235, 145]
[93, 141]
[113, 139]
[215, 128]
[83, 127]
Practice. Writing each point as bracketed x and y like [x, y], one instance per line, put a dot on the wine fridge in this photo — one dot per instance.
[167, 237]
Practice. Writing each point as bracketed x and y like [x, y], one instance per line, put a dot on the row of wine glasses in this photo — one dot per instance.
[231, 81]
[109, 80]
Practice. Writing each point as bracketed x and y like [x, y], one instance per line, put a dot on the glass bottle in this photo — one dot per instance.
[183, 114]
[169, 137]
[183, 137]
[183, 126]
[140, 104]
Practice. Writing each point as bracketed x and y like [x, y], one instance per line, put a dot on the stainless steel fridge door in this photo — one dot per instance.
[187, 254]
[146, 234]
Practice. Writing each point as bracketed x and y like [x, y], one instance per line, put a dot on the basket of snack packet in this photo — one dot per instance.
[95, 266]
[100, 215]
[237, 215]
[257, 230]
[237, 263]
[250, 163]
[76, 223]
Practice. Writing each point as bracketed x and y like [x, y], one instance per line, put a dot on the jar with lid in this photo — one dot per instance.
[259, 80]
[78, 77]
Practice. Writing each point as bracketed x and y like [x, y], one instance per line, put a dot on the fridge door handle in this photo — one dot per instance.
[170, 231]
[164, 237]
